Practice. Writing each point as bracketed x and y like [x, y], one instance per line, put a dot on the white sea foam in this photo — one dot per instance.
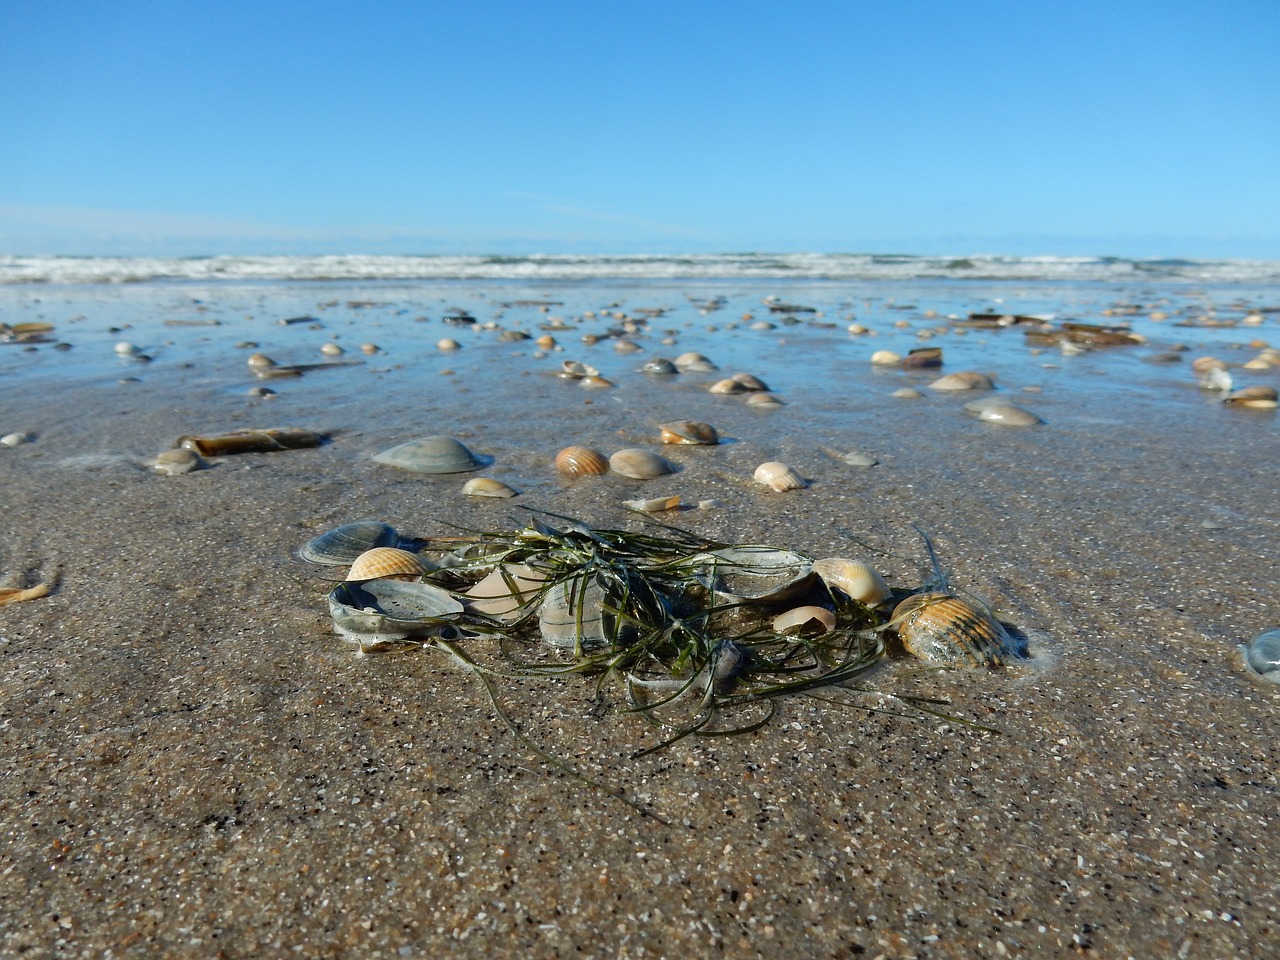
[790, 266]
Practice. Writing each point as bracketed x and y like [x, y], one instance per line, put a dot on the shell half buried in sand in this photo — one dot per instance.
[381, 612]
[953, 632]
[431, 455]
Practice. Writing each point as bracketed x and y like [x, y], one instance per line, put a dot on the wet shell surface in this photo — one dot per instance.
[694, 363]
[659, 367]
[964, 380]
[581, 462]
[727, 386]
[854, 579]
[343, 544]
[1259, 397]
[656, 505]
[1262, 654]
[506, 592]
[572, 615]
[689, 432]
[805, 621]
[763, 401]
[1008, 415]
[431, 455]
[953, 632]
[886, 358]
[179, 460]
[755, 573]
[639, 464]
[487, 487]
[778, 476]
[750, 381]
[376, 612]
[386, 562]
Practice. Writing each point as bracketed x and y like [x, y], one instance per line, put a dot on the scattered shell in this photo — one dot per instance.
[506, 591]
[854, 579]
[1008, 415]
[260, 361]
[546, 341]
[179, 460]
[755, 573]
[447, 344]
[1258, 397]
[343, 544]
[750, 381]
[375, 613]
[594, 383]
[369, 348]
[964, 380]
[948, 630]
[19, 594]
[1216, 378]
[778, 476]
[627, 346]
[856, 458]
[16, 439]
[639, 464]
[659, 367]
[728, 386]
[656, 505]
[581, 462]
[763, 401]
[386, 562]
[922, 358]
[886, 358]
[694, 363]
[431, 455]
[487, 487]
[805, 621]
[1205, 364]
[331, 349]
[126, 349]
[1262, 654]
[689, 432]
[260, 393]
[252, 441]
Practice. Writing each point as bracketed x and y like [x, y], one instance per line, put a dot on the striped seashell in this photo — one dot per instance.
[581, 462]
[689, 432]
[778, 476]
[386, 562]
[953, 632]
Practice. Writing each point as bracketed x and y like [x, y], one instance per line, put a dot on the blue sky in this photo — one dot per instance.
[1127, 128]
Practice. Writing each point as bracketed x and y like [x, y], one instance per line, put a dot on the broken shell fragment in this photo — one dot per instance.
[854, 579]
[805, 621]
[506, 592]
[778, 476]
[639, 464]
[755, 573]
[19, 594]
[689, 432]
[487, 487]
[252, 441]
[431, 455]
[655, 505]
[581, 462]
[387, 562]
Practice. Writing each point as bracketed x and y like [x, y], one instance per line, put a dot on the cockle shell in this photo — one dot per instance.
[487, 487]
[853, 578]
[727, 386]
[581, 462]
[951, 631]
[778, 476]
[431, 455]
[639, 464]
[689, 432]
[386, 562]
[343, 544]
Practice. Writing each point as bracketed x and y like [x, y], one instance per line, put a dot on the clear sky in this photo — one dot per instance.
[493, 126]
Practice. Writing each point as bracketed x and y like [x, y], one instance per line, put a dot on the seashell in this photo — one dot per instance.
[656, 505]
[639, 464]
[755, 573]
[749, 381]
[1257, 397]
[573, 615]
[252, 441]
[779, 477]
[377, 613]
[764, 401]
[20, 595]
[344, 544]
[953, 632]
[546, 341]
[1203, 365]
[331, 349]
[581, 462]
[260, 392]
[885, 358]
[694, 362]
[626, 346]
[922, 358]
[854, 579]
[369, 348]
[487, 487]
[659, 367]
[16, 439]
[1008, 415]
[386, 562]
[805, 621]
[126, 349]
[573, 370]
[594, 383]
[506, 592]
[728, 386]
[857, 458]
[176, 462]
[448, 344]
[1262, 654]
[260, 361]
[431, 455]
[964, 380]
[689, 432]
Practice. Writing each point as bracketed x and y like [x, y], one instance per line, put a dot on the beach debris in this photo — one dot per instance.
[378, 562]
[654, 505]
[577, 461]
[35, 332]
[779, 477]
[809, 621]
[436, 454]
[1262, 654]
[252, 441]
[639, 464]
[886, 358]
[342, 545]
[487, 487]
[19, 594]
[688, 432]
[659, 367]
[177, 461]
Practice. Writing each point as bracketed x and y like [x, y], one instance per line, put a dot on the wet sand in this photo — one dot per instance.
[199, 766]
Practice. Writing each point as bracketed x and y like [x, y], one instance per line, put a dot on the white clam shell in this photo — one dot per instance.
[853, 578]
[806, 621]
[778, 476]
[487, 487]
[639, 464]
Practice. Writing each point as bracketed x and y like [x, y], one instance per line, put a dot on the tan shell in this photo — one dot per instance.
[964, 380]
[689, 432]
[639, 464]
[506, 592]
[1008, 415]
[260, 361]
[581, 462]
[952, 631]
[853, 578]
[594, 383]
[381, 562]
[656, 505]
[886, 358]
[727, 386]
[779, 477]
[1259, 397]
[331, 349]
[750, 381]
[1205, 364]
[763, 401]
[487, 487]
[805, 621]
[447, 344]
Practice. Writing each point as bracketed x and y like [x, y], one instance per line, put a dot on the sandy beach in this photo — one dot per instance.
[198, 766]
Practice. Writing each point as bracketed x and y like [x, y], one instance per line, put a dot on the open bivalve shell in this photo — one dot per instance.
[380, 612]
[761, 574]
[431, 455]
